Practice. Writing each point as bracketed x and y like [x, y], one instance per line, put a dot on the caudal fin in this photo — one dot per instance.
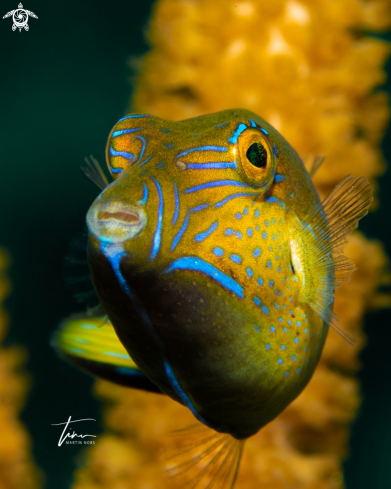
[203, 459]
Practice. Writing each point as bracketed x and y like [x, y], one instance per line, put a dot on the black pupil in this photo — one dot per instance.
[257, 155]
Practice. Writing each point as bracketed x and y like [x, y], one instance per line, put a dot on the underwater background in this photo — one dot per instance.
[64, 84]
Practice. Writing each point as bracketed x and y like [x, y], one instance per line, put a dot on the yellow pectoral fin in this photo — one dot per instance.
[92, 345]
[316, 246]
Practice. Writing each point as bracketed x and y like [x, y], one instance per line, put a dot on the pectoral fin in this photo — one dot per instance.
[316, 243]
[92, 345]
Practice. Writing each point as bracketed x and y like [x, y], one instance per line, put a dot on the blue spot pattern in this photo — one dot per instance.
[232, 232]
[218, 251]
[236, 258]
[256, 252]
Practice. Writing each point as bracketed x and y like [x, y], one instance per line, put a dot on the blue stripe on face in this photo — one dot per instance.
[193, 263]
[179, 235]
[199, 207]
[143, 148]
[252, 123]
[176, 212]
[234, 196]
[264, 131]
[114, 255]
[274, 199]
[210, 166]
[203, 148]
[215, 183]
[145, 195]
[158, 232]
[124, 154]
[145, 161]
[135, 116]
[233, 139]
[125, 131]
[201, 236]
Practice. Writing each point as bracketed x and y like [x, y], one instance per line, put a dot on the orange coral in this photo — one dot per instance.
[306, 67]
[16, 467]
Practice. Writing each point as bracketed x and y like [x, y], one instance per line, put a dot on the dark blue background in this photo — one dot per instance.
[63, 85]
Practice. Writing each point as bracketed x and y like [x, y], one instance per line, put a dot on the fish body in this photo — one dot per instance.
[216, 262]
[201, 287]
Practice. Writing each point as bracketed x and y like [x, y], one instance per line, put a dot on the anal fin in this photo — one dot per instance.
[91, 344]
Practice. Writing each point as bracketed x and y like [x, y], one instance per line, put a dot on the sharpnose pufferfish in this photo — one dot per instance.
[216, 265]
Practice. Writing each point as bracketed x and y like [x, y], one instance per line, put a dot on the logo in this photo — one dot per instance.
[69, 437]
[20, 17]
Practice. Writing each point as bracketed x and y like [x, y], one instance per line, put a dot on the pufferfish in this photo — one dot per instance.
[216, 265]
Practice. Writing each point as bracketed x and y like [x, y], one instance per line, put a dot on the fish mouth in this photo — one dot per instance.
[115, 222]
[123, 216]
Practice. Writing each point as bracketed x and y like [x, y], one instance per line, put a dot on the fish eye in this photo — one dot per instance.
[257, 155]
[256, 158]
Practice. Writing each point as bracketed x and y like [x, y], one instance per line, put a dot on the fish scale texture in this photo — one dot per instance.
[306, 68]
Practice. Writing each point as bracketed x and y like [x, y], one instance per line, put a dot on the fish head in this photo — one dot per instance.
[163, 170]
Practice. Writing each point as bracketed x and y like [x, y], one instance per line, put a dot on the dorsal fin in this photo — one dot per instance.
[316, 246]
[94, 172]
[312, 163]
[203, 458]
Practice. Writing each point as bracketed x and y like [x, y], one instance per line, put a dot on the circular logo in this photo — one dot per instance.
[20, 18]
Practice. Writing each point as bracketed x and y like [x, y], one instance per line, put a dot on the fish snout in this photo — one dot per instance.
[115, 222]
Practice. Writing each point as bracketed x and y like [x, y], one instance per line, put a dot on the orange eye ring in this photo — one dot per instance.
[257, 163]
